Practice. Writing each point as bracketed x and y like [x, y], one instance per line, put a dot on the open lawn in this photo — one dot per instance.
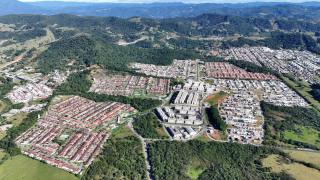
[203, 138]
[2, 106]
[303, 134]
[195, 169]
[296, 170]
[21, 167]
[18, 118]
[121, 132]
[2, 134]
[305, 156]
[5, 105]
[217, 98]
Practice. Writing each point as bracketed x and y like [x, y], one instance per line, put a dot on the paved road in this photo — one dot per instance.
[145, 150]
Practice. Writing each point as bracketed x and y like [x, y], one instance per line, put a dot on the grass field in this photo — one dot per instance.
[306, 135]
[22, 167]
[296, 170]
[4, 105]
[303, 89]
[203, 138]
[17, 118]
[2, 134]
[215, 98]
[305, 156]
[161, 132]
[195, 169]
[121, 132]
[2, 154]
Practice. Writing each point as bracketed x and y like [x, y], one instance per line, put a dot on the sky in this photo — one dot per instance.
[186, 1]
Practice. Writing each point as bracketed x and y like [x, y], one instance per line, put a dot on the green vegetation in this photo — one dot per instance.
[293, 125]
[175, 82]
[215, 99]
[251, 67]
[17, 118]
[303, 134]
[7, 143]
[194, 169]
[298, 41]
[214, 24]
[22, 167]
[5, 105]
[303, 89]
[121, 158]
[186, 43]
[121, 132]
[21, 36]
[179, 160]
[18, 106]
[148, 126]
[315, 91]
[85, 51]
[277, 40]
[309, 158]
[215, 119]
[278, 164]
[6, 86]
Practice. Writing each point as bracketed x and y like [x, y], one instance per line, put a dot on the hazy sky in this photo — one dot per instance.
[186, 1]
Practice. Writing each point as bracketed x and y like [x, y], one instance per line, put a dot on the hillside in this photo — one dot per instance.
[17, 7]
[306, 11]
[101, 40]
[171, 10]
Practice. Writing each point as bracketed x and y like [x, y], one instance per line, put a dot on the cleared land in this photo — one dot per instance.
[305, 156]
[217, 98]
[22, 167]
[296, 170]
[122, 132]
[195, 169]
[4, 105]
[17, 118]
[2, 134]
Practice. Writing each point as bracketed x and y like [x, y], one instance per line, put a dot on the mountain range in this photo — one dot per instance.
[308, 10]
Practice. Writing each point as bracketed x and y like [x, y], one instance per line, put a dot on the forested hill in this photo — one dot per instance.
[205, 25]
[86, 50]
[115, 42]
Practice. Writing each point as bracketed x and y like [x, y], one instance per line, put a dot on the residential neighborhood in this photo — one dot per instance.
[68, 136]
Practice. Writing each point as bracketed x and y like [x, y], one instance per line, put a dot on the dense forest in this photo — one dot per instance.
[121, 158]
[251, 67]
[86, 51]
[6, 86]
[215, 119]
[23, 35]
[277, 40]
[173, 160]
[146, 125]
[315, 92]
